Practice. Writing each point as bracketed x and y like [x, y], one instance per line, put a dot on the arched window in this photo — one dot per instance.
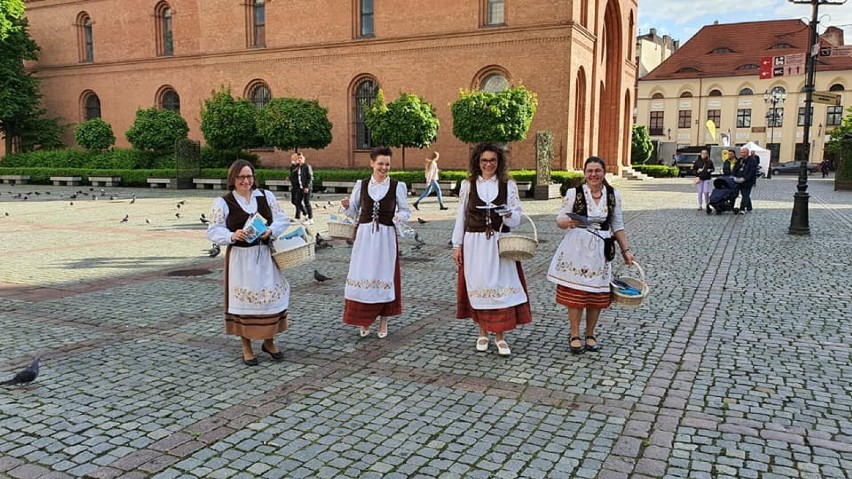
[721, 50]
[256, 23]
[686, 94]
[688, 70]
[657, 96]
[165, 39]
[781, 46]
[746, 92]
[364, 93]
[91, 105]
[836, 87]
[494, 82]
[259, 94]
[168, 99]
[749, 66]
[714, 93]
[85, 39]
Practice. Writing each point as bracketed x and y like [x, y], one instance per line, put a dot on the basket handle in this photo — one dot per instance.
[639, 267]
[535, 230]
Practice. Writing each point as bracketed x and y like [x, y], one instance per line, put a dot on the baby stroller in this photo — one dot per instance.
[725, 192]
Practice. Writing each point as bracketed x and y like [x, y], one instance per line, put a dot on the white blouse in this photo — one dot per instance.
[596, 212]
[217, 230]
[487, 190]
[377, 190]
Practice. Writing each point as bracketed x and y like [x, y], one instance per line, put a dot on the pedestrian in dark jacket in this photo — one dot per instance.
[703, 169]
[745, 172]
[302, 183]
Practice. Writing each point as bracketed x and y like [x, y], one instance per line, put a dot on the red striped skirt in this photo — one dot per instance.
[493, 320]
[364, 314]
[575, 298]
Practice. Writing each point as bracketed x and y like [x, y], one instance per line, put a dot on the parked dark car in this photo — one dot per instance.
[792, 168]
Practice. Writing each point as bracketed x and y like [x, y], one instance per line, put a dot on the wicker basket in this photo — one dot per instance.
[297, 256]
[638, 283]
[518, 247]
[338, 230]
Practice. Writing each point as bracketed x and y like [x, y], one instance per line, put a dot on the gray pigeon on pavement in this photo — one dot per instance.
[28, 375]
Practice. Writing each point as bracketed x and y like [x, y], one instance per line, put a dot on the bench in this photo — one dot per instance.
[15, 179]
[210, 183]
[447, 186]
[66, 180]
[277, 185]
[159, 182]
[105, 180]
[338, 186]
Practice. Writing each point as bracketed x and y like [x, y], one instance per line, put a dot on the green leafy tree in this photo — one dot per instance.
[407, 122]
[11, 12]
[19, 95]
[94, 135]
[41, 133]
[497, 117]
[640, 145]
[228, 123]
[293, 123]
[156, 130]
[834, 145]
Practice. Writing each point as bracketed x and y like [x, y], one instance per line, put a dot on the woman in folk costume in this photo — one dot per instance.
[491, 289]
[256, 295]
[581, 266]
[373, 286]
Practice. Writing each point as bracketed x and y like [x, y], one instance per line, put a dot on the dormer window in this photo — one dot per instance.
[781, 46]
[722, 50]
[688, 70]
[749, 66]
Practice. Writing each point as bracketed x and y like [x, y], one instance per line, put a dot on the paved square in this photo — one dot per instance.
[739, 364]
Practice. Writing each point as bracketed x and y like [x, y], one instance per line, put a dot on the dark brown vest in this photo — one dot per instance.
[382, 211]
[581, 208]
[237, 216]
[485, 221]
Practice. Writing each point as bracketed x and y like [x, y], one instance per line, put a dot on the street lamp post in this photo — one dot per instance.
[773, 98]
[799, 224]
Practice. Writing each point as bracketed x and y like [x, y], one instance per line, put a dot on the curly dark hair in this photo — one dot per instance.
[474, 170]
[235, 169]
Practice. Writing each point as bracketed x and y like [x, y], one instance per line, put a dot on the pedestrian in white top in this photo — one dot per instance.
[431, 182]
[491, 289]
[373, 285]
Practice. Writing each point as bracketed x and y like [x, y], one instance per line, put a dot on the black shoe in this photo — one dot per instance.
[275, 356]
[416, 207]
[709, 210]
[595, 348]
[445, 208]
[576, 349]
[250, 362]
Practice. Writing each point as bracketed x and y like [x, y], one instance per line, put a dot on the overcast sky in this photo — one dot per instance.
[680, 19]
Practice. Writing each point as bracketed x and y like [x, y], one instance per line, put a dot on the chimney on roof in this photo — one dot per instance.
[653, 32]
[715, 22]
[833, 35]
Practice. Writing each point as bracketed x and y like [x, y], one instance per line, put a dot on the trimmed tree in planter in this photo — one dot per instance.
[640, 145]
[94, 135]
[228, 123]
[293, 123]
[156, 130]
[501, 117]
[408, 121]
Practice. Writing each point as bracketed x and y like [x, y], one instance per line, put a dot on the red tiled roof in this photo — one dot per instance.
[748, 42]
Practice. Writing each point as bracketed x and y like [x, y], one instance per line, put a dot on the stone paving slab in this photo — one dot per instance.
[737, 365]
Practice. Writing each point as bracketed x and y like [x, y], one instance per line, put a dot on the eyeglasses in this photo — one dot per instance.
[489, 161]
[245, 177]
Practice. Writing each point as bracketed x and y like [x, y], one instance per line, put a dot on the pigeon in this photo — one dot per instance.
[72, 203]
[133, 200]
[418, 239]
[177, 215]
[349, 242]
[73, 197]
[182, 202]
[111, 197]
[7, 213]
[417, 247]
[320, 277]
[204, 220]
[125, 219]
[91, 189]
[28, 375]
[320, 240]
[26, 198]
[36, 193]
[178, 205]
[147, 221]
[421, 221]
[214, 251]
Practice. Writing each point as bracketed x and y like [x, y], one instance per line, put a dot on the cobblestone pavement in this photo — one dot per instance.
[737, 365]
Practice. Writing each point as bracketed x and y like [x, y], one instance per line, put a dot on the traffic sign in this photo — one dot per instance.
[826, 98]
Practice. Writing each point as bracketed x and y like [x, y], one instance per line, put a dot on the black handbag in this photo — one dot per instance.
[609, 248]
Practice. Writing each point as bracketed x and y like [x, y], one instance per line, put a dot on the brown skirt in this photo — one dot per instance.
[575, 298]
[364, 314]
[493, 320]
